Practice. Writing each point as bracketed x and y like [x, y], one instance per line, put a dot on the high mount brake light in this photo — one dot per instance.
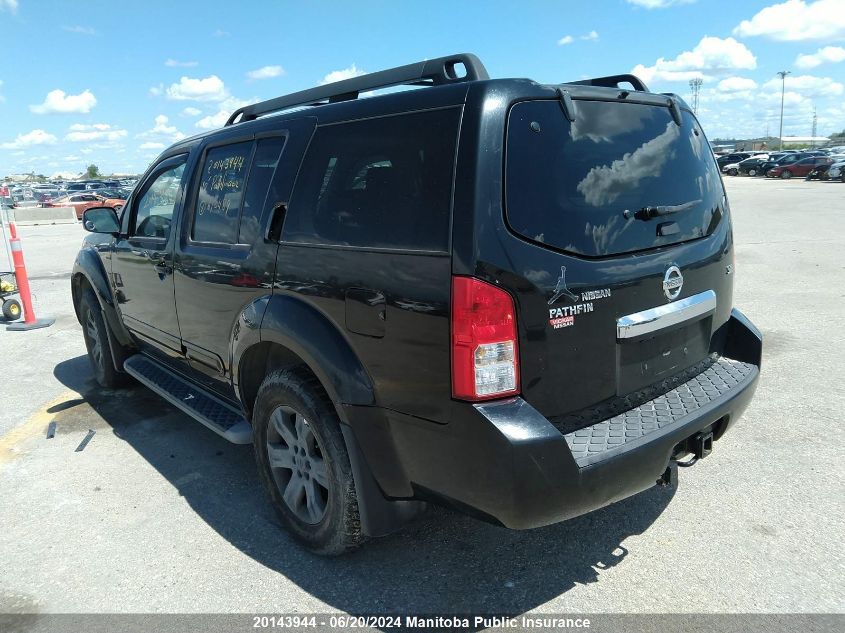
[485, 353]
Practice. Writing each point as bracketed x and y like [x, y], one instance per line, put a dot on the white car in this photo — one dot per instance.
[836, 170]
[731, 169]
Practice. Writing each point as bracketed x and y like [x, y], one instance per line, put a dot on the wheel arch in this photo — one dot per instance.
[294, 332]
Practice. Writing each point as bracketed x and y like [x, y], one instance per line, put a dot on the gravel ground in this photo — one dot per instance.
[158, 514]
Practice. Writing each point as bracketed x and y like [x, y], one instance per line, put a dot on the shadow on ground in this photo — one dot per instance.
[441, 563]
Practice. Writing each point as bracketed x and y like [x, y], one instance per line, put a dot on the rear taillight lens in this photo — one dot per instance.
[485, 355]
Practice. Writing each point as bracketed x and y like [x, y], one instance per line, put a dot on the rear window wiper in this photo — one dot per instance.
[646, 213]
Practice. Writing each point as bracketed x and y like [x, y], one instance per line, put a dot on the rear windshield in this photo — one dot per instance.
[571, 185]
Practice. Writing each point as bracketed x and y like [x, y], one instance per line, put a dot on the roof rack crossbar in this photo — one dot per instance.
[431, 72]
[613, 81]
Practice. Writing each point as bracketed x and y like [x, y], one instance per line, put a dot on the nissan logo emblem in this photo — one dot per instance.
[673, 281]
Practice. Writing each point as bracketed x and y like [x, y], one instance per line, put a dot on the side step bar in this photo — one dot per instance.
[198, 403]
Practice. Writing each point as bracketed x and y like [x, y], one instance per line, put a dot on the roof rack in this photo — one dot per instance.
[431, 72]
[613, 81]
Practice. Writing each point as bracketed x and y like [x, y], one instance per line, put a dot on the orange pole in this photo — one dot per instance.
[29, 321]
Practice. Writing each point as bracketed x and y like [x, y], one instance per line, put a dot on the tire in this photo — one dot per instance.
[786, 174]
[296, 422]
[732, 172]
[97, 342]
[752, 172]
[12, 309]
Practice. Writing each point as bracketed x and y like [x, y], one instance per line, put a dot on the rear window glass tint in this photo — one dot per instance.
[221, 191]
[264, 163]
[569, 185]
[379, 183]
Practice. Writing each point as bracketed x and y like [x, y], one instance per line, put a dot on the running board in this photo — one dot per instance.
[198, 403]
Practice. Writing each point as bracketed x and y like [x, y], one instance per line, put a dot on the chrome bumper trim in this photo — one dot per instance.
[665, 316]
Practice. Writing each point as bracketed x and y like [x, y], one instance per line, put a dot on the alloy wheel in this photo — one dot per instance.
[299, 468]
[94, 336]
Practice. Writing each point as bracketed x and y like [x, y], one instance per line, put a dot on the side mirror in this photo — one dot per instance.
[100, 220]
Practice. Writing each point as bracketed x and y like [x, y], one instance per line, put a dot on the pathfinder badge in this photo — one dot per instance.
[561, 290]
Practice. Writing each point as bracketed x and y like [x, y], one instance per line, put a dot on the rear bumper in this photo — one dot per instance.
[505, 462]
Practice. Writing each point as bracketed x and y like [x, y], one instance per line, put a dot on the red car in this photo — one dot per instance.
[79, 201]
[799, 168]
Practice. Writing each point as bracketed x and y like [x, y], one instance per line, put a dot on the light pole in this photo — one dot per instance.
[782, 74]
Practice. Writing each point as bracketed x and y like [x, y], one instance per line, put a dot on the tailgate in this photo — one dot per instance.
[624, 271]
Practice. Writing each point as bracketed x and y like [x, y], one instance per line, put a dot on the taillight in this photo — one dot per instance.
[485, 356]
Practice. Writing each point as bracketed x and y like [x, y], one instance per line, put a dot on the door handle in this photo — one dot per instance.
[162, 268]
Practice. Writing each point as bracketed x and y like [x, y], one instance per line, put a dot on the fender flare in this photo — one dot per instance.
[89, 266]
[301, 328]
[304, 330]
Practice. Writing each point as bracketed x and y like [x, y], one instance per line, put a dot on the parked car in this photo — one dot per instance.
[734, 157]
[79, 201]
[516, 363]
[799, 168]
[785, 159]
[836, 170]
[751, 166]
[731, 169]
[111, 199]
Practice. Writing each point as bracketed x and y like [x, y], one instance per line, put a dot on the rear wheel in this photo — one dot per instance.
[303, 462]
[733, 172]
[786, 174]
[97, 341]
[11, 309]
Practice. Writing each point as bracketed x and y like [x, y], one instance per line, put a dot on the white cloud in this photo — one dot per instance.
[592, 36]
[80, 30]
[266, 72]
[828, 54]
[339, 75]
[157, 91]
[80, 133]
[9, 5]
[151, 145]
[796, 20]
[221, 33]
[191, 111]
[566, 39]
[30, 139]
[736, 84]
[175, 63]
[209, 88]
[161, 131]
[59, 101]
[808, 86]
[657, 4]
[711, 56]
[219, 118]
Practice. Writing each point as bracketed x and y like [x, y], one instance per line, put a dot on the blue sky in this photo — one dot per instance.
[114, 82]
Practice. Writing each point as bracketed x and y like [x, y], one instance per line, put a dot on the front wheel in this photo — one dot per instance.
[302, 460]
[97, 341]
[752, 172]
[733, 172]
[786, 174]
[11, 309]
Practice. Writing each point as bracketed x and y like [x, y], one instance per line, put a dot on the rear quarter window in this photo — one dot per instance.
[384, 182]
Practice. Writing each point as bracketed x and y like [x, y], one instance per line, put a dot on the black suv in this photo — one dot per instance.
[507, 297]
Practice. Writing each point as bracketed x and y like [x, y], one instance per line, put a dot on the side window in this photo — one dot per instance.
[258, 187]
[157, 203]
[380, 183]
[220, 193]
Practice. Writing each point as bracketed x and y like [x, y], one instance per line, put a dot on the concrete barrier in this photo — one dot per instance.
[26, 216]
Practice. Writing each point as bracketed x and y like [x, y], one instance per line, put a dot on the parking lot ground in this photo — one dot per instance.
[158, 514]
